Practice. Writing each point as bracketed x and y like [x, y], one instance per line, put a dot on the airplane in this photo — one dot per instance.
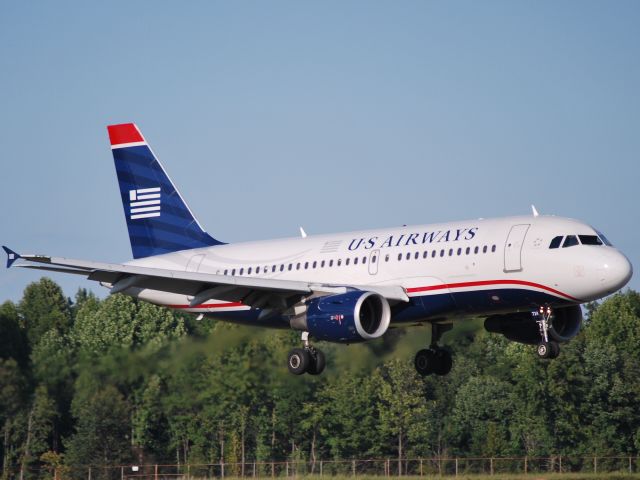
[526, 275]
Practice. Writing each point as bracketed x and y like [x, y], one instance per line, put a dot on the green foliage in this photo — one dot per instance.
[116, 381]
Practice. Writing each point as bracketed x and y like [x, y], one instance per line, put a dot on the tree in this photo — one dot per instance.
[44, 307]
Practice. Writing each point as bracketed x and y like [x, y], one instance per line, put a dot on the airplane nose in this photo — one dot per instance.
[616, 271]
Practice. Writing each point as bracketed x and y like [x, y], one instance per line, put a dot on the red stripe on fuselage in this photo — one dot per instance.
[484, 283]
[211, 305]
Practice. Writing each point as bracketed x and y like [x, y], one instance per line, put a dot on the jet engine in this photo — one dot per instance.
[523, 327]
[349, 317]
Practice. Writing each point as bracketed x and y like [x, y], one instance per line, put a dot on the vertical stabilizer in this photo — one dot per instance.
[158, 219]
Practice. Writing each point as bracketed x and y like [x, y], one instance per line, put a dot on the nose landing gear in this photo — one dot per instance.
[434, 359]
[307, 359]
[546, 348]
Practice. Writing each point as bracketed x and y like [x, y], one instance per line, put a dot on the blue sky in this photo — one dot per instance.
[332, 115]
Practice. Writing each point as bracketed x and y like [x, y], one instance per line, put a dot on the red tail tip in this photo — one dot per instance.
[124, 133]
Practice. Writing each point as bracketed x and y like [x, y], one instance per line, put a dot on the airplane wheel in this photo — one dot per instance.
[424, 361]
[298, 361]
[545, 350]
[443, 363]
[317, 364]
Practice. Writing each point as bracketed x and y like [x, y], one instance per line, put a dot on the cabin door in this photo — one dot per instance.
[374, 259]
[513, 248]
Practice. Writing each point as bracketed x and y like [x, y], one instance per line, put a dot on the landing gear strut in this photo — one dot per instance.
[434, 359]
[546, 348]
[307, 359]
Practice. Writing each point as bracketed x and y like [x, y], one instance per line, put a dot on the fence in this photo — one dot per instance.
[417, 467]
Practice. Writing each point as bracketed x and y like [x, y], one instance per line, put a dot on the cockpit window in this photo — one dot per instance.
[589, 240]
[570, 241]
[604, 239]
[555, 243]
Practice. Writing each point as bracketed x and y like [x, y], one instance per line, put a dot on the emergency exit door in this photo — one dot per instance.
[513, 248]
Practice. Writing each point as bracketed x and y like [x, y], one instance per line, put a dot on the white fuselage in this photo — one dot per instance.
[467, 268]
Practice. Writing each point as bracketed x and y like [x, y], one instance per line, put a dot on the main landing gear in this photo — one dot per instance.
[546, 348]
[307, 359]
[434, 359]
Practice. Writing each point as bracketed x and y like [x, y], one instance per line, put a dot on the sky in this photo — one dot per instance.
[332, 115]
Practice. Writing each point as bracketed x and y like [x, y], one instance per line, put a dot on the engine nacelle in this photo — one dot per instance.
[348, 317]
[523, 328]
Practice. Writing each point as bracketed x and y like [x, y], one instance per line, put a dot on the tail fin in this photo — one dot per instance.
[158, 219]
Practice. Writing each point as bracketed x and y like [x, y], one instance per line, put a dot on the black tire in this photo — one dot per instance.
[424, 361]
[298, 361]
[443, 362]
[316, 367]
[544, 350]
[555, 349]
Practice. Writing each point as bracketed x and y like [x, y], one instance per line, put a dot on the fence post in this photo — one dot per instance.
[254, 469]
[121, 473]
[491, 465]
[526, 466]
[155, 472]
[89, 476]
[630, 469]
[595, 464]
[353, 468]
[421, 466]
[456, 466]
[287, 470]
[560, 464]
[273, 469]
[320, 467]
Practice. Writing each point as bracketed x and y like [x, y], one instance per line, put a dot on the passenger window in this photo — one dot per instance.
[339, 262]
[417, 255]
[433, 254]
[225, 272]
[493, 249]
[570, 241]
[282, 267]
[555, 243]
[467, 251]
[315, 264]
[241, 270]
[476, 250]
[450, 251]
[399, 256]
[386, 257]
[355, 261]
[346, 262]
[459, 251]
[442, 253]
[589, 240]
[233, 272]
[298, 266]
[306, 265]
[290, 266]
[331, 263]
[249, 271]
[322, 264]
[373, 259]
[425, 254]
[364, 259]
[408, 256]
[484, 249]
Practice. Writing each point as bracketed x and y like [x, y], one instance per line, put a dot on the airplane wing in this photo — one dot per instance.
[254, 292]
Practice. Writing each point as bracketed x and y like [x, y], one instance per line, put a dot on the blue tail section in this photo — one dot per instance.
[158, 219]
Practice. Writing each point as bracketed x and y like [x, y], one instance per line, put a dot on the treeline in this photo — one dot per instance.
[116, 381]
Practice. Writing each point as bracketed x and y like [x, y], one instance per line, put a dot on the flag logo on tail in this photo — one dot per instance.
[144, 203]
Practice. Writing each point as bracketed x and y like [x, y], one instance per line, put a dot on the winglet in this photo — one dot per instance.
[11, 256]
[534, 210]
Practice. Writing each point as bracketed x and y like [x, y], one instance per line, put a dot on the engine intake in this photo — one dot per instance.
[349, 317]
[523, 328]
